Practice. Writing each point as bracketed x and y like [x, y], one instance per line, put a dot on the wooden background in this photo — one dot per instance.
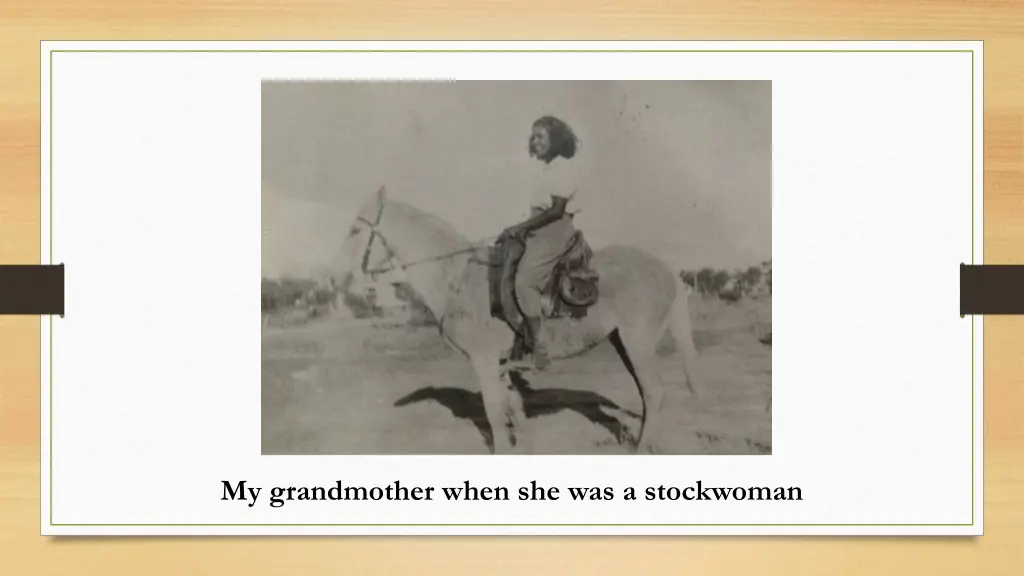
[23, 23]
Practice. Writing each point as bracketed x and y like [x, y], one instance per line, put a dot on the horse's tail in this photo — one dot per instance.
[682, 329]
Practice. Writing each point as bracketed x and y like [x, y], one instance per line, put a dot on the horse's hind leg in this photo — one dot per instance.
[641, 361]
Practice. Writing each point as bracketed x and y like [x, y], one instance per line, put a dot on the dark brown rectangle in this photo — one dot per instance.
[991, 289]
[32, 290]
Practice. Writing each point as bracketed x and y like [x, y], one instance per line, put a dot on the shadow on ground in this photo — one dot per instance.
[467, 405]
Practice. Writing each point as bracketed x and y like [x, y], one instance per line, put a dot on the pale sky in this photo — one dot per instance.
[682, 169]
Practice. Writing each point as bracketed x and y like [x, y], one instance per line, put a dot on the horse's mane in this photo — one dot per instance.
[446, 231]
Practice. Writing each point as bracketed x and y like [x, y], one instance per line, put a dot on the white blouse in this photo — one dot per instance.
[557, 178]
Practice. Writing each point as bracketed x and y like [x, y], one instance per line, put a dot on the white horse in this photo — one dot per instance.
[640, 298]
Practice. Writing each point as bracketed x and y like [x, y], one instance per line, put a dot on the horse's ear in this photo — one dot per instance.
[373, 204]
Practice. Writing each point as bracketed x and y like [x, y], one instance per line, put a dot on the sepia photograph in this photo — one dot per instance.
[516, 267]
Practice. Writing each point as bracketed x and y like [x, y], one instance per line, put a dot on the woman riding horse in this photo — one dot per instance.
[545, 237]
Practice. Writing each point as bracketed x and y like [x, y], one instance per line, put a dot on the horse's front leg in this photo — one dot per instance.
[495, 391]
[516, 412]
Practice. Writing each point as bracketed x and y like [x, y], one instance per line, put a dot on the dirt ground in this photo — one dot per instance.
[346, 386]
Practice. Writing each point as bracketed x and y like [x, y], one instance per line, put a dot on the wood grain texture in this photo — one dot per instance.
[1000, 23]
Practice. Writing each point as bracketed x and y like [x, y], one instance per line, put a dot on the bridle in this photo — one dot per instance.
[374, 234]
[391, 257]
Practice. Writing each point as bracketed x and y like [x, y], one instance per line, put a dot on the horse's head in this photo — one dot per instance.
[364, 249]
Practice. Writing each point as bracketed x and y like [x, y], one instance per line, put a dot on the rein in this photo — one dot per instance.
[391, 253]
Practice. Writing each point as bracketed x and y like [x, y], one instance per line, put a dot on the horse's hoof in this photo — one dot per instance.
[626, 438]
[648, 450]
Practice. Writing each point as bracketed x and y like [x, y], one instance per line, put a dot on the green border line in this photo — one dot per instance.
[522, 51]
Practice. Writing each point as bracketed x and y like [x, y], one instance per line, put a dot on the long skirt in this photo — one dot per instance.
[544, 248]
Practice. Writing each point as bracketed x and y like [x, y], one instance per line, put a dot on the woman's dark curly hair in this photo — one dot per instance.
[563, 140]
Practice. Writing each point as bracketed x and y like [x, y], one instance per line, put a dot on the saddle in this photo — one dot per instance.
[573, 288]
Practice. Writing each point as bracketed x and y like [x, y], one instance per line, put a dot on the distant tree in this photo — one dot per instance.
[706, 281]
[689, 278]
[720, 280]
[752, 276]
[730, 285]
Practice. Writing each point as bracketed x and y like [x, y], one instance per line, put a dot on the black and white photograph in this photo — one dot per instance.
[516, 267]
